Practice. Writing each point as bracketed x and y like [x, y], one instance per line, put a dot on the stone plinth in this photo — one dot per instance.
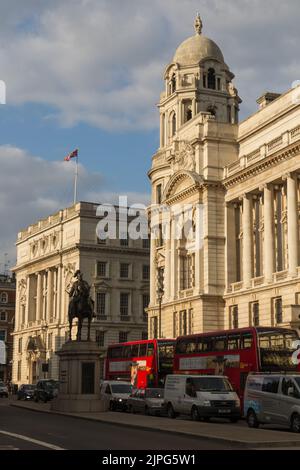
[79, 376]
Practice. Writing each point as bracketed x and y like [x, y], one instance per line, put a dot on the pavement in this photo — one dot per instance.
[24, 429]
[222, 432]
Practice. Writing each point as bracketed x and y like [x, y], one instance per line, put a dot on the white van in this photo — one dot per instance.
[116, 393]
[201, 397]
[273, 399]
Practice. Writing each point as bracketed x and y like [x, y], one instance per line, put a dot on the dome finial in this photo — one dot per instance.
[198, 24]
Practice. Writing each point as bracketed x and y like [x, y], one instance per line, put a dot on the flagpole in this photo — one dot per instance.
[75, 180]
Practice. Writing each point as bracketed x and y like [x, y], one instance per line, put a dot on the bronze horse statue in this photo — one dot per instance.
[81, 305]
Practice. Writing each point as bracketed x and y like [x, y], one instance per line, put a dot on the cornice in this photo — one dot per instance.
[261, 166]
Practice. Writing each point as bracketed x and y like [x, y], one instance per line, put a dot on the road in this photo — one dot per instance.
[31, 430]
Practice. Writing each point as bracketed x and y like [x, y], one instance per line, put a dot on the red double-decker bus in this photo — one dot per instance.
[235, 353]
[144, 363]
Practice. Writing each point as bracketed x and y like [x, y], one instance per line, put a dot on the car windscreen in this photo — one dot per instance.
[29, 387]
[210, 384]
[154, 393]
[121, 388]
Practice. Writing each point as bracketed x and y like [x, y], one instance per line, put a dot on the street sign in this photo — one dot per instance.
[2, 352]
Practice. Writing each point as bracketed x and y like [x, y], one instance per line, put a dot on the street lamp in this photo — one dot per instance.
[159, 293]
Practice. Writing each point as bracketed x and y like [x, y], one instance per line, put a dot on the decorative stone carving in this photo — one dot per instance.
[183, 157]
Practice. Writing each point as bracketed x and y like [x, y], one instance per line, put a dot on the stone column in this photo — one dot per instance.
[292, 224]
[168, 274]
[161, 130]
[39, 297]
[58, 294]
[50, 295]
[174, 261]
[152, 270]
[269, 254]
[27, 300]
[230, 247]
[194, 110]
[178, 115]
[247, 240]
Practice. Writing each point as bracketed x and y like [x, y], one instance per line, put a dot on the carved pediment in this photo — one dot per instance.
[181, 181]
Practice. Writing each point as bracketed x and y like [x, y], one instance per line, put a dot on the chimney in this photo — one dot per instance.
[266, 99]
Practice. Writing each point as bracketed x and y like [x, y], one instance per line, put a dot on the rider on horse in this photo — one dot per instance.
[81, 304]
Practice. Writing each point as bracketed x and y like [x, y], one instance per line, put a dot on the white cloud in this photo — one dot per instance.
[101, 61]
[32, 188]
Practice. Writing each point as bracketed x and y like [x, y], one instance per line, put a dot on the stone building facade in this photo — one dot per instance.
[7, 318]
[240, 264]
[48, 254]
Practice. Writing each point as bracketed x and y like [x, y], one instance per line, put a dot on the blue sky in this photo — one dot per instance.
[88, 74]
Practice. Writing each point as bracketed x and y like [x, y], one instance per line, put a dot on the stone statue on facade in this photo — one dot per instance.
[81, 305]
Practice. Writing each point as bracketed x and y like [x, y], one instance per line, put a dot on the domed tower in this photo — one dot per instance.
[197, 80]
[198, 138]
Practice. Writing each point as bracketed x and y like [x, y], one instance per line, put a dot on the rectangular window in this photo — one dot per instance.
[183, 323]
[146, 243]
[234, 316]
[50, 338]
[123, 336]
[20, 345]
[278, 310]
[19, 370]
[146, 272]
[124, 270]
[246, 340]
[158, 193]
[2, 335]
[100, 338]
[124, 239]
[233, 342]
[3, 316]
[101, 268]
[146, 301]
[101, 304]
[270, 384]
[255, 313]
[124, 304]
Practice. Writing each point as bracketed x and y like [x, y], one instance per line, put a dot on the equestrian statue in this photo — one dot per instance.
[81, 305]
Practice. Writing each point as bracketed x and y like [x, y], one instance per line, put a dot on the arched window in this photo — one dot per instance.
[3, 298]
[173, 83]
[173, 125]
[211, 79]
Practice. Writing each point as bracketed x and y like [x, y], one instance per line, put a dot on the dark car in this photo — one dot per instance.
[25, 392]
[46, 390]
[149, 401]
[3, 390]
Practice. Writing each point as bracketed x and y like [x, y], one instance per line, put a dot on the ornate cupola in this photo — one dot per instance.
[196, 81]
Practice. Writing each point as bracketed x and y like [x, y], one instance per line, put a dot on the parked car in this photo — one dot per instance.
[3, 390]
[149, 401]
[201, 397]
[25, 392]
[46, 390]
[273, 399]
[117, 393]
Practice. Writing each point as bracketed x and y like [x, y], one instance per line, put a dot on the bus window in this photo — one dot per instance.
[150, 349]
[135, 350]
[233, 342]
[126, 351]
[191, 347]
[220, 343]
[115, 352]
[182, 346]
[246, 340]
[143, 349]
[206, 344]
